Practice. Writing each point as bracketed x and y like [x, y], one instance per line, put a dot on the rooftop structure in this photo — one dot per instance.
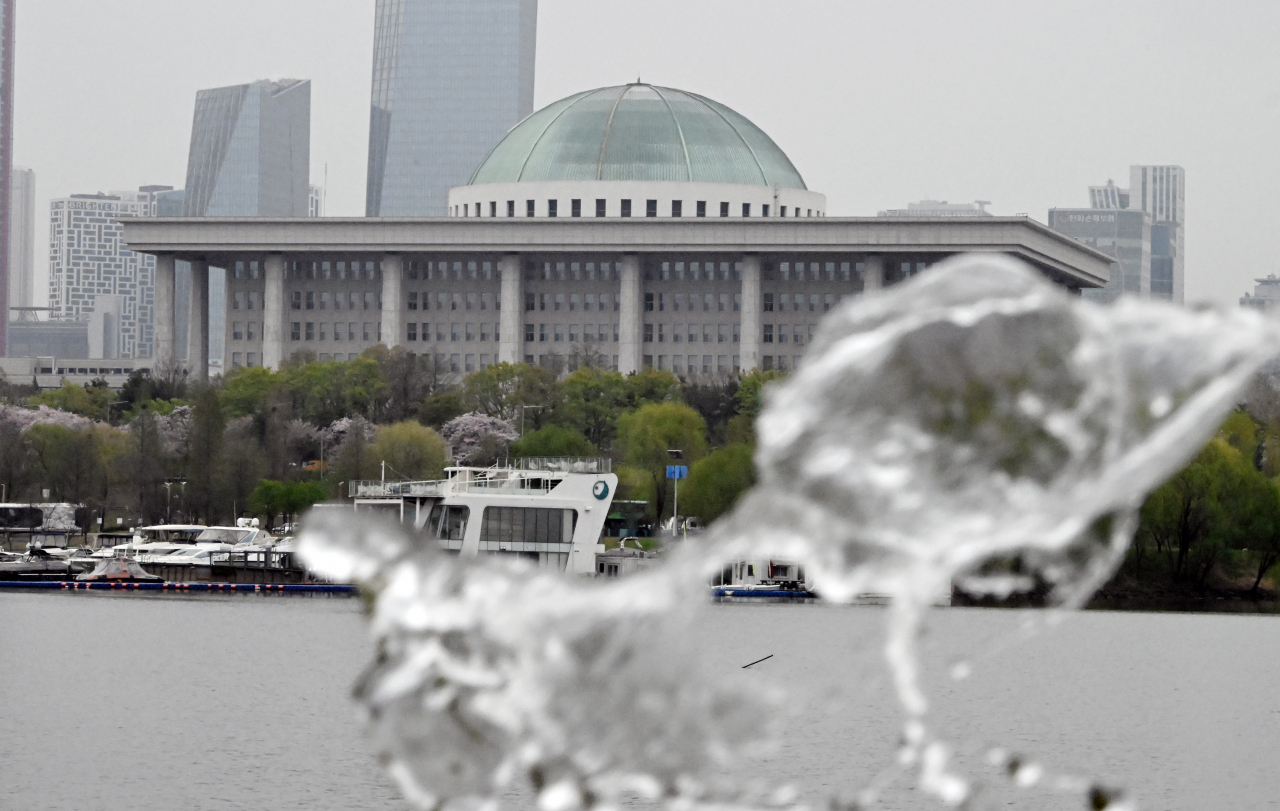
[636, 151]
[940, 208]
[1266, 295]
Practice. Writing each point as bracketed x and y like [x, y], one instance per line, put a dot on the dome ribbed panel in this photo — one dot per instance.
[717, 154]
[778, 168]
[570, 149]
[647, 134]
[644, 142]
[505, 163]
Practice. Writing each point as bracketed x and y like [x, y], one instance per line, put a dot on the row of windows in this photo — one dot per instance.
[798, 303]
[796, 333]
[589, 333]
[528, 525]
[695, 364]
[371, 300]
[245, 331]
[341, 332]
[675, 208]
[457, 271]
[573, 302]
[717, 333]
[456, 332]
[456, 301]
[657, 302]
[247, 301]
[342, 271]
[694, 271]
[571, 271]
[782, 363]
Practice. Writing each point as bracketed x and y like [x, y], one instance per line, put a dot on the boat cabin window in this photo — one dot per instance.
[449, 522]
[21, 517]
[528, 525]
[751, 571]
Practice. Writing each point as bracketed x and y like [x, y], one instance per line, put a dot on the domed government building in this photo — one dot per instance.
[624, 227]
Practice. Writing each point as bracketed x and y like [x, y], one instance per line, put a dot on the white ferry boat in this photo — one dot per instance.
[548, 510]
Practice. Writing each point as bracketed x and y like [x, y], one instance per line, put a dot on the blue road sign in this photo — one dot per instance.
[677, 472]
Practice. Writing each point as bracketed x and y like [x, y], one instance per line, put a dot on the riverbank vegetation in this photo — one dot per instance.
[164, 450]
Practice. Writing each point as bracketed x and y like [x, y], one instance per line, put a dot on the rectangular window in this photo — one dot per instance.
[471, 332]
[707, 334]
[311, 301]
[455, 334]
[237, 303]
[662, 302]
[493, 208]
[724, 209]
[782, 211]
[702, 208]
[746, 209]
[648, 302]
[552, 207]
[677, 364]
[368, 331]
[600, 208]
[813, 331]
[413, 301]
[471, 301]
[485, 301]
[559, 333]
[722, 334]
[651, 208]
[542, 333]
[737, 302]
[324, 301]
[235, 359]
[251, 330]
[677, 333]
[528, 333]
[648, 333]
[355, 301]
[626, 208]
[485, 362]
[648, 361]
[470, 363]
[737, 333]
[351, 331]
[813, 302]
[782, 333]
[530, 302]
[368, 301]
[237, 331]
[311, 331]
[295, 331]
[324, 331]
[768, 333]
[768, 302]
[797, 336]
[783, 301]
[530, 208]
[662, 363]
[253, 301]
[764, 210]
[252, 359]
[455, 363]
[573, 333]
[827, 301]
[573, 302]
[783, 364]
[576, 207]
[559, 301]
[722, 363]
[511, 208]
[677, 208]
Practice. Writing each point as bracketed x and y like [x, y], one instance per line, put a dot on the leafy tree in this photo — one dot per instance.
[67, 461]
[650, 431]
[593, 400]
[553, 440]
[718, 481]
[248, 391]
[410, 450]
[651, 385]
[204, 455]
[146, 466]
[441, 407]
[500, 391]
[478, 440]
[717, 402]
[409, 380]
[87, 401]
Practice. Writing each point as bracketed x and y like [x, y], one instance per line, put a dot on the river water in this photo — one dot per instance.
[133, 702]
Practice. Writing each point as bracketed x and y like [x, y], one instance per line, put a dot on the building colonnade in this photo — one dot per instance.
[522, 292]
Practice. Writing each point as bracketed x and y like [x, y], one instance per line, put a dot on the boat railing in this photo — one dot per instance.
[383, 489]
[257, 559]
[563, 464]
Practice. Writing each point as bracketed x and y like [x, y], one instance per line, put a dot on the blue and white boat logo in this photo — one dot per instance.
[601, 490]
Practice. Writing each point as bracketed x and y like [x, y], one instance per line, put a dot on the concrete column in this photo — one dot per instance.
[752, 308]
[165, 316]
[630, 316]
[198, 345]
[874, 278]
[511, 345]
[273, 314]
[393, 300]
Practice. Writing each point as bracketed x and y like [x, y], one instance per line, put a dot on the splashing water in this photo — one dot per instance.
[974, 414]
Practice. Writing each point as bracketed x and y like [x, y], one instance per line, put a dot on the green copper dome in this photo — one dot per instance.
[638, 132]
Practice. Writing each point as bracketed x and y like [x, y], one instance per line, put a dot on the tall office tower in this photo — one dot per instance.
[22, 239]
[1160, 192]
[450, 79]
[1121, 233]
[315, 205]
[7, 22]
[94, 278]
[250, 157]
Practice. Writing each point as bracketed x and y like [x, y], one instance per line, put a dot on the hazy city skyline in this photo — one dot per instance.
[877, 106]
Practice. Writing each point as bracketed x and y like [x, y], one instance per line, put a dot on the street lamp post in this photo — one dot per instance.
[523, 409]
[168, 489]
[676, 456]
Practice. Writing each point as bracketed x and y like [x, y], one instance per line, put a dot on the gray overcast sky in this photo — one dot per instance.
[1021, 102]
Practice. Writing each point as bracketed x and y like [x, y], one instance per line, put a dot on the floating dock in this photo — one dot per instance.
[184, 588]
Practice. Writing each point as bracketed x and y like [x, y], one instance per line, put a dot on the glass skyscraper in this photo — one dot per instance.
[250, 157]
[450, 79]
[7, 9]
[251, 151]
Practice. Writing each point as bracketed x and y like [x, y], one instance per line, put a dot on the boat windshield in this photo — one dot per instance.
[218, 535]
